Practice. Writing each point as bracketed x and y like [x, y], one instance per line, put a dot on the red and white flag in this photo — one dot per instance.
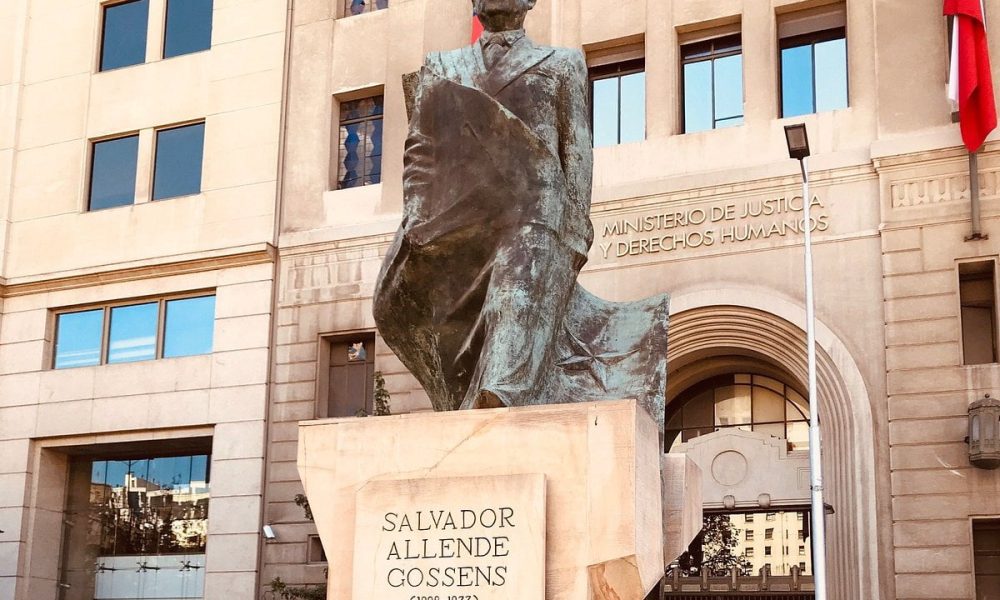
[477, 28]
[970, 84]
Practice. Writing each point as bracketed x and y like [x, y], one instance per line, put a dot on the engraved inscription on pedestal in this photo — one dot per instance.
[461, 538]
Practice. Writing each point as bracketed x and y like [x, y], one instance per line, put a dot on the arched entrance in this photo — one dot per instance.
[730, 351]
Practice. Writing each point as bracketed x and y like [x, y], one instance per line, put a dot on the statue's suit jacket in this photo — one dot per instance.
[546, 90]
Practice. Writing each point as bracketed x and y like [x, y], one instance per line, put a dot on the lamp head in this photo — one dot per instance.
[798, 141]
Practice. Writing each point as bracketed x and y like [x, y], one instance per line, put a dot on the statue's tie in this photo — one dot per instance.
[495, 50]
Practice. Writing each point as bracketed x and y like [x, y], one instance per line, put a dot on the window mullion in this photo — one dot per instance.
[812, 71]
[714, 120]
[161, 319]
[106, 336]
[618, 124]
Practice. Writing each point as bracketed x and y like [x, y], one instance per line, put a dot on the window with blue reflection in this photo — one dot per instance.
[618, 103]
[713, 84]
[78, 338]
[360, 152]
[123, 39]
[179, 155]
[132, 334]
[189, 327]
[112, 172]
[814, 73]
[189, 27]
[357, 7]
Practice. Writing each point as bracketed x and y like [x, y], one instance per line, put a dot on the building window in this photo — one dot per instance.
[360, 148]
[802, 550]
[813, 72]
[123, 37]
[316, 552]
[133, 332]
[352, 376]
[748, 552]
[179, 155]
[188, 28]
[112, 172]
[977, 294]
[357, 7]
[769, 533]
[767, 551]
[741, 401]
[618, 102]
[801, 534]
[136, 522]
[749, 517]
[986, 551]
[713, 83]
[749, 535]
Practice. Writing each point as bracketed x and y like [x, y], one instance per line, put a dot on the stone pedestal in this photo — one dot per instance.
[492, 495]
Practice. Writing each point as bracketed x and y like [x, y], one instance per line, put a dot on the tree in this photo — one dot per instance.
[713, 549]
[721, 537]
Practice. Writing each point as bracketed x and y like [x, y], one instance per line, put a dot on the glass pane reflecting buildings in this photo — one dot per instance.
[741, 401]
[136, 528]
[779, 543]
[134, 332]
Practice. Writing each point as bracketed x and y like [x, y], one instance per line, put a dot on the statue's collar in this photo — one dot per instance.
[504, 38]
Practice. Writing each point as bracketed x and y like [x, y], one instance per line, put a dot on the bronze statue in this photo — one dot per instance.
[478, 294]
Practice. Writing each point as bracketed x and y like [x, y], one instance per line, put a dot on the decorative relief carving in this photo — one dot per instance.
[943, 190]
[329, 275]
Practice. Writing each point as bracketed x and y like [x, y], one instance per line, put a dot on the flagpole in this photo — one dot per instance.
[975, 207]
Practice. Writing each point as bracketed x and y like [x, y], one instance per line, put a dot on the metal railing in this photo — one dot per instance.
[737, 587]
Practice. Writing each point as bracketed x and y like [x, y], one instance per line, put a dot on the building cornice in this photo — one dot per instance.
[228, 258]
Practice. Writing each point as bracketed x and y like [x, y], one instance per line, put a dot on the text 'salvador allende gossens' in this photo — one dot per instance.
[448, 535]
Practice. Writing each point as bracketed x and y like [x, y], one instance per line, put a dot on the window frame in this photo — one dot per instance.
[345, 8]
[339, 123]
[102, 20]
[616, 70]
[106, 307]
[156, 151]
[326, 343]
[163, 38]
[711, 57]
[92, 154]
[811, 39]
[959, 278]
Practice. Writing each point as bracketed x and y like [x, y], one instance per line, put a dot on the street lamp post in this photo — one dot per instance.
[798, 148]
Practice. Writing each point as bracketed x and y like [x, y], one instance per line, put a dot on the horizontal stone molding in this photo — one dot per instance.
[239, 257]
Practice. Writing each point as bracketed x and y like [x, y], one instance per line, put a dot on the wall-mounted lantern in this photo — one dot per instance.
[984, 433]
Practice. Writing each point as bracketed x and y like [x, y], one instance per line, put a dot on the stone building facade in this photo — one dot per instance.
[300, 194]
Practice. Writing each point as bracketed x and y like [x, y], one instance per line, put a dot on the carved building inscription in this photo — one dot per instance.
[469, 538]
[717, 225]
